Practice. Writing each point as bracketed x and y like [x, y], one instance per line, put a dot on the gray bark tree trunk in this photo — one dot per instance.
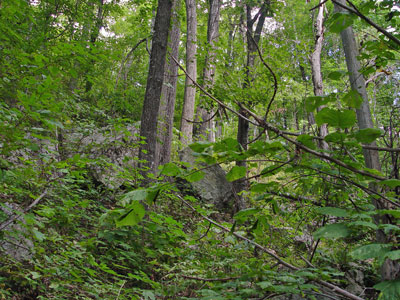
[191, 67]
[151, 105]
[168, 94]
[205, 114]
[316, 73]
[390, 269]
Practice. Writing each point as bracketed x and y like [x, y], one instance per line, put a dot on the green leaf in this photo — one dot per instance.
[390, 290]
[135, 195]
[393, 255]
[307, 140]
[170, 169]
[40, 236]
[332, 211]
[353, 99]
[394, 212]
[339, 21]
[368, 135]
[364, 224]
[332, 231]
[196, 176]
[264, 284]
[313, 102]
[336, 118]
[236, 173]
[392, 183]
[200, 146]
[148, 295]
[335, 137]
[370, 251]
[244, 213]
[135, 213]
[336, 75]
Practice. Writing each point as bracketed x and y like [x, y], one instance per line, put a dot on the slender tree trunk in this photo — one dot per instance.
[253, 37]
[168, 94]
[206, 129]
[390, 269]
[94, 35]
[316, 68]
[148, 128]
[191, 66]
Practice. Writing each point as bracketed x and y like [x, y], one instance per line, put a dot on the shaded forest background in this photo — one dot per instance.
[119, 119]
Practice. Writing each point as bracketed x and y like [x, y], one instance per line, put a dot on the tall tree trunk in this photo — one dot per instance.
[94, 35]
[168, 94]
[151, 105]
[316, 68]
[191, 66]
[206, 129]
[253, 37]
[390, 269]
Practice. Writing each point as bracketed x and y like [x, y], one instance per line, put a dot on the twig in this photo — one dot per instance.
[273, 75]
[320, 4]
[203, 235]
[381, 148]
[126, 58]
[210, 279]
[120, 289]
[272, 170]
[202, 122]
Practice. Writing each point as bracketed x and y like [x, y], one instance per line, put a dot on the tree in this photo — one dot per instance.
[148, 128]
[168, 93]
[252, 37]
[205, 113]
[390, 269]
[191, 66]
[316, 67]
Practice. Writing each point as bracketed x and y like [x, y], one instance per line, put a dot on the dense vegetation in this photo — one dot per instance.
[316, 208]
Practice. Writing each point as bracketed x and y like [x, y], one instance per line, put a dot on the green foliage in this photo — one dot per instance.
[61, 77]
[336, 118]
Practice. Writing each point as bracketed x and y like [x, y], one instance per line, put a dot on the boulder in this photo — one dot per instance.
[213, 187]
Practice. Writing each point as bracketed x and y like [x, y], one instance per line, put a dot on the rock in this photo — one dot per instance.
[213, 188]
[355, 277]
[117, 149]
[113, 149]
[15, 242]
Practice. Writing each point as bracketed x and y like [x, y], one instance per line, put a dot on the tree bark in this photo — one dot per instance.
[168, 93]
[148, 128]
[204, 114]
[316, 68]
[390, 269]
[191, 66]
